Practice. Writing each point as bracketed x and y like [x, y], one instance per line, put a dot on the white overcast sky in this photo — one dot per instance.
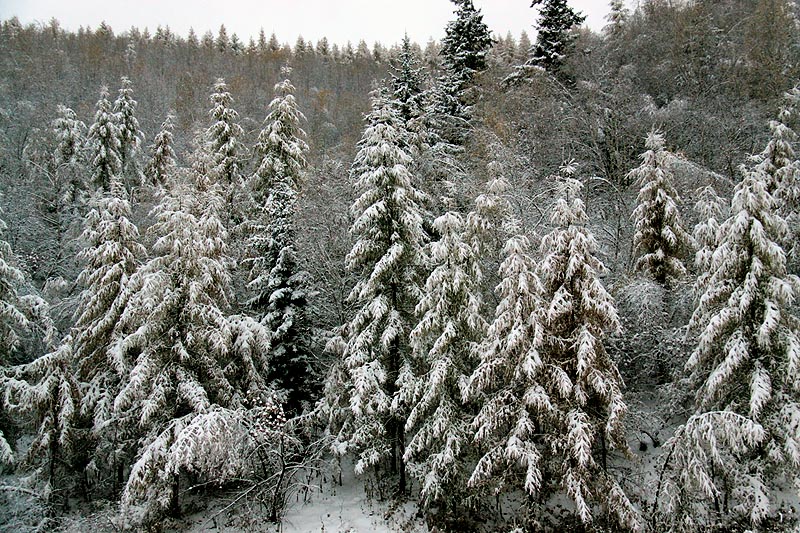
[338, 20]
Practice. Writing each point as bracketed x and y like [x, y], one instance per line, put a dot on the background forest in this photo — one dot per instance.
[528, 285]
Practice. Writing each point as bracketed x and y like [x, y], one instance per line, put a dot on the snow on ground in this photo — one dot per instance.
[347, 509]
[328, 508]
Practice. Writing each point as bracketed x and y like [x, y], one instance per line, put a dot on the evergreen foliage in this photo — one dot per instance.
[746, 361]
[463, 50]
[584, 384]
[280, 287]
[12, 316]
[130, 136]
[69, 131]
[554, 40]
[376, 363]
[105, 144]
[111, 256]
[12, 321]
[443, 343]
[617, 16]
[69, 158]
[407, 83]
[467, 41]
[150, 379]
[181, 355]
[224, 136]
[660, 239]
[48, 390]
[504, 379]
[163, 160]
[280, 148]
[711, 210]
[223, 144]
[779, 162]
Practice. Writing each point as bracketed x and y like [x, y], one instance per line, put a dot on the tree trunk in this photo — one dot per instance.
[401, 443]
[174, 497]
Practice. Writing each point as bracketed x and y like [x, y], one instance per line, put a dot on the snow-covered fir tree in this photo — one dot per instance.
[778, 160]
[617, 16]
[443, 344]
[69, 156]
[69, 131]
[584, 384]
[491, 221]
[47, 390]
[553, 40]
[746, 361]
[780, 163]
[163, 159]
[224, 144]
[445, 339]
[552, 399]
[466, 43]
[660, 240]
[280, 149]
[181, 355]
[375, 363]
[464, 49]
[111, 256]
[505, 382]
[690, 495]
[426, 126]
[104, 142]
[279, 286]
[407, 82]
[130, 136]
[711, 210]
[13, 320]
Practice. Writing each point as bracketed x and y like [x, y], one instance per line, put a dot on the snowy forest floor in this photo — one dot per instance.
[328, 508]
[359, 504]
[325, 507]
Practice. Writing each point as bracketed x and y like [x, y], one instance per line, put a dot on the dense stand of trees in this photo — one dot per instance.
[543, 237]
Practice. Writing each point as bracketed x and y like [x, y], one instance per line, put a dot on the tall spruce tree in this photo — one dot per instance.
[464, 49]
[48, 391]
[584, 385]
[553, 41]
[617, 17]
[163, 159]
[69, 155]
[779, 162]
[427, 127]
[711, 210]
[104, 144]
[13, 320]
[443, 343]
[130, 136]
[745, 366]
[407, 82]
[376, 363]
[466, 43]
[280, 287]
[224, 145]
[111, 256]
[660, 239]
[181, 355]
[506, 379]
[69, 131]
[491, 220]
